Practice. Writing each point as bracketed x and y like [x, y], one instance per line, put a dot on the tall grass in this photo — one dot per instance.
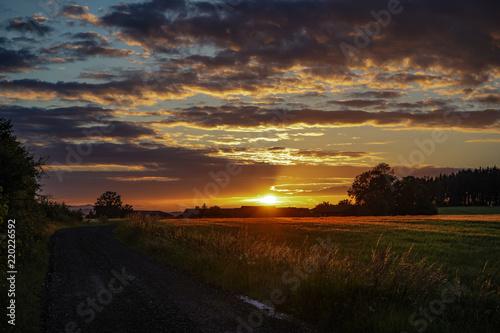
[333, 289]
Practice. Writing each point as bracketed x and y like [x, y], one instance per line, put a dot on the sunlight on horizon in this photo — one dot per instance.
[268, 200]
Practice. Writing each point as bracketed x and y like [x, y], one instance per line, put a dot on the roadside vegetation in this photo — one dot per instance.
[36, 218]
[357, 274]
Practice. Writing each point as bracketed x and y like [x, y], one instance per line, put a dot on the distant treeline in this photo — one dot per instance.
[379, 192]
[478, 187]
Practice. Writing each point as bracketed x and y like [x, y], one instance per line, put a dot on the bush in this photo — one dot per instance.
[60, 213]
[102, 219]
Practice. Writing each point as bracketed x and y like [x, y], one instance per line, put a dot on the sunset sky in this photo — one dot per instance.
[176, 103]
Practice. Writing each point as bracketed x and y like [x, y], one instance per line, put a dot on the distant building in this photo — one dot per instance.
[190, 213]
[270, 211]
[255, 211]
[245, 211]
[157, 213]
[293, 212]
[335, 210]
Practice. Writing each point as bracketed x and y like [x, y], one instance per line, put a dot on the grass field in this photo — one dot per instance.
[470, 210]
[347, 274]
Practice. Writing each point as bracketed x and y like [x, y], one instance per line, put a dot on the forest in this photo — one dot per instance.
[379, 192]
[478, 187]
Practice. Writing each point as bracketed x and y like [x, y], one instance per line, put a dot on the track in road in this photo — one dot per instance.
[97, 284]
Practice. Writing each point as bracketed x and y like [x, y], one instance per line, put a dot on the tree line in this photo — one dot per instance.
[478, 187]
[379, 192]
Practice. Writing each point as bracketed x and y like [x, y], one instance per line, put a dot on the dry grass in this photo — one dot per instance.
[327, 275]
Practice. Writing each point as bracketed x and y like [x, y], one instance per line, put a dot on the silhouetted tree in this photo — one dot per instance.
[478, 187]
[110, 204]
[127, 209]
[20, 172]
[345, 202]
[412, 198]
[323, 204]
[373, 191]
[379, 192]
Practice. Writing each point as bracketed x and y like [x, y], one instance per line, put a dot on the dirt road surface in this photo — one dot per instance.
[97, 284]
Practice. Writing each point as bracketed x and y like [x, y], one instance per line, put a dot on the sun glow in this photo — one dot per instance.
[268, 200]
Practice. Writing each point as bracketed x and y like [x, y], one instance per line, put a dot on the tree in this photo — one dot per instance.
[323, 204]
[379, 192]
[478, 187]
[373, 191]
[4, 209]
[345, 202]
[20, 172]
[413, 198]
[127, 209]
[110, 204]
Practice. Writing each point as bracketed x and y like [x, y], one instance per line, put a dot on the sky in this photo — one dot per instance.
[177, 103]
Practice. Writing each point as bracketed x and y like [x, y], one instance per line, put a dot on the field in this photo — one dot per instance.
[469, 210]
[346, 274]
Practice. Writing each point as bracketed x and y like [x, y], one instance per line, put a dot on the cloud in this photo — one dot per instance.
[87, 44]
[34, 24]
[97, 76]
[78, 12]
[41, 126]
[276, 33]
[145, 23]
[131, 91]
[489, 99]
[18, 60]
[328, 153]
[289, 156]
[359, 103]
[482, 141]
[383, 94]
[252, 116]
[87, 48]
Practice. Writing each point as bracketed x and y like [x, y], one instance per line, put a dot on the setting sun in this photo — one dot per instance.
[269, 199]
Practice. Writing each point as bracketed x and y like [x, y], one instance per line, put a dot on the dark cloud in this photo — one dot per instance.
[147, 22]
[359, 103]
[275, 148]
[18, 60]
[90, 35]
[132, 91]
[53, 126]
[312, 94]
[427, 104]
[34, 24]
[82, 49]
[97, 76]
[384, 94]
[251, 116]
[73, 10]
[277, 33]
[78, 12]
[331, 153]
[490, 99]
[86, 44]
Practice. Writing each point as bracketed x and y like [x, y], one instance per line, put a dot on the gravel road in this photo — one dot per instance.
[97, 284]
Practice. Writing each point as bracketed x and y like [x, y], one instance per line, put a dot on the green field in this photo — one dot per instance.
[470, 210]
[348, 274]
